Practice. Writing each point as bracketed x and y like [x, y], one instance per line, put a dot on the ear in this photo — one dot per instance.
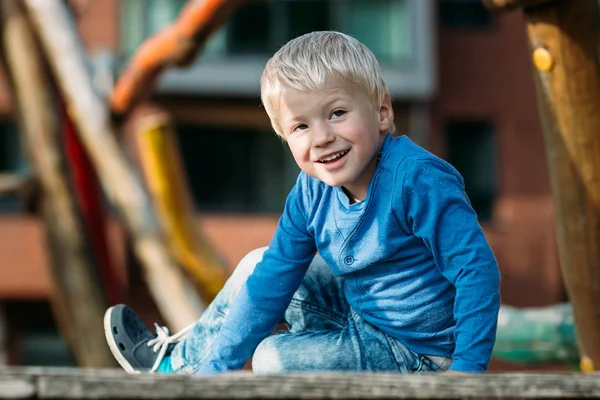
[386, 115]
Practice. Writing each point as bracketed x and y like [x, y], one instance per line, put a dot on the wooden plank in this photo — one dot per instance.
[77, 299]
[117, 385]
[17, 386]
[564, 39]
[175, 298]
[108, 385]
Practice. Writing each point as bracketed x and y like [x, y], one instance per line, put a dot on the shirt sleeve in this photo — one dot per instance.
[268, 291]
[438, 211]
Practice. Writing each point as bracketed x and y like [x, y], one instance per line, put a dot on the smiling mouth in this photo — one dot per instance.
[333, 157]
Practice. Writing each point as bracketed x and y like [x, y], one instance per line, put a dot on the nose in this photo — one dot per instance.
[322, 135]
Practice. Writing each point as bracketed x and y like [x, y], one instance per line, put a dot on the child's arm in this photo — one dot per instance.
[268, 291]
[438, 211]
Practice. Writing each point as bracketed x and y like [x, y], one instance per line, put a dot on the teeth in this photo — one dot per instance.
[333, 156]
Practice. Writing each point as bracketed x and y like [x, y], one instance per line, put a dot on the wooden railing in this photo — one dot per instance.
[109, 384]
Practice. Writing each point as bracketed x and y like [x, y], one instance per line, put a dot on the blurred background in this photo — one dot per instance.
[462, 87]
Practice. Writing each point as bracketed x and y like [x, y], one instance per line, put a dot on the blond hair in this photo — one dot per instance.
[306, 62]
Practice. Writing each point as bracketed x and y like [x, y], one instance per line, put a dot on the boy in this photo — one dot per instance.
[404, 281]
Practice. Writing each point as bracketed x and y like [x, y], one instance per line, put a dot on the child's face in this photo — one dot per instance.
[335, 133]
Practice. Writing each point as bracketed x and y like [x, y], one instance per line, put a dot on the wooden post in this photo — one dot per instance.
[89, 198]
[77, 298]
[175, 298]
[564, 36]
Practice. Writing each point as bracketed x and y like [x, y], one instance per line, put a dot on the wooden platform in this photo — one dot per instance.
[43, 383]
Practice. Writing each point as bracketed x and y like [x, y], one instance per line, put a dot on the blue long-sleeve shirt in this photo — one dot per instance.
[415, 261]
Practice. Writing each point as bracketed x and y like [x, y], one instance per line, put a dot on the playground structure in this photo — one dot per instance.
[73, 141]
[564, 39]
[73, 234]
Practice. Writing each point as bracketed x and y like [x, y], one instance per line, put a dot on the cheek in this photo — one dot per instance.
[363, 126]
[298, 151]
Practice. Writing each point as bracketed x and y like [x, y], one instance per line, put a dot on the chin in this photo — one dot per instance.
[335, 182]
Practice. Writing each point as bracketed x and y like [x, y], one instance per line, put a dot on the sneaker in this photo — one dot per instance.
[134, 347]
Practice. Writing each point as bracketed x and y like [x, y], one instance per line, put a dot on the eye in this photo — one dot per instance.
[338, 113]
[300, 127]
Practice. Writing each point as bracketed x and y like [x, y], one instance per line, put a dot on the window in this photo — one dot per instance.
[3, 337]
[464, 13]
[306, 16]
[382, 25]
[10, 152]
[12, 161]
[470, 149]
[233, 170]
[43, 345]
[261, 26]
[399, 32]
[142, 18]
[35, 337]
[248, 30]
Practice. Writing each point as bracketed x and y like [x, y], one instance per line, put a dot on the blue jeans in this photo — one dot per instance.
[324, 332]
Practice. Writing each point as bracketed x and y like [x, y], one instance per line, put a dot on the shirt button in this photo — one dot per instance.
[348, 260]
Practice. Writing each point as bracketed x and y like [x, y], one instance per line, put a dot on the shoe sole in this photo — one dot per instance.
[113, 346]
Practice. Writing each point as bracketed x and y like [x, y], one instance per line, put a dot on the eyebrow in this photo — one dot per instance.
[336, 97]
[332, 101]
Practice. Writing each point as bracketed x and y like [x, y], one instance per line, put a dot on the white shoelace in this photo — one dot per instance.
[162, 341]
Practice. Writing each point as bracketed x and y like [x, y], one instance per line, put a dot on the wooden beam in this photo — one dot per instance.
[77, 299]
[506, 5]
[89, 196]
[176, 44]
[160, 162]
[178, 302]
[44, 383]
[564, 38]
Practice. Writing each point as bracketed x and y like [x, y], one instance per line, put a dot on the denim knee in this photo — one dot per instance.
[267, 358]
[246, 265]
